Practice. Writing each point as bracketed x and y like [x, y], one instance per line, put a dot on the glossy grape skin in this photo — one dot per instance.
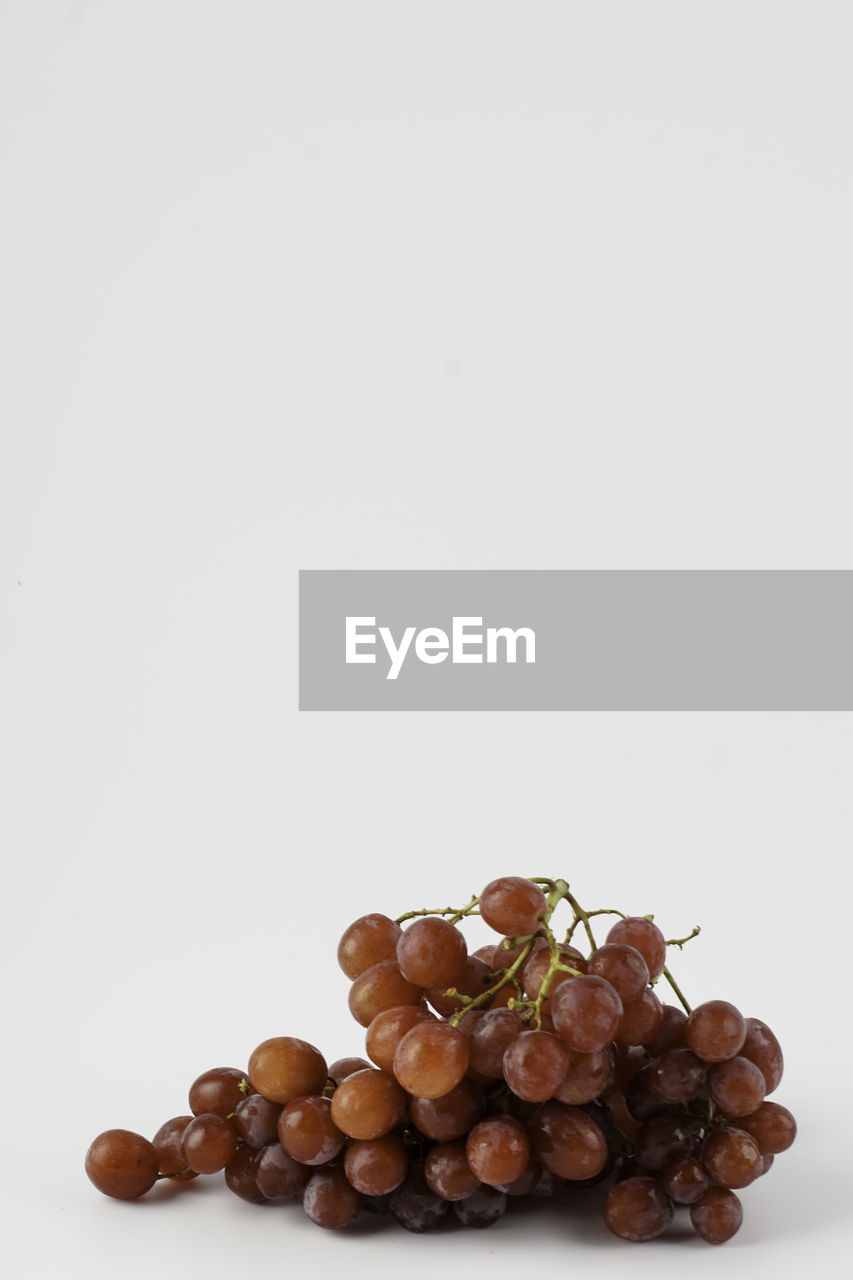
[343, 1067]
[218, 1091]
[376, 1166]
[256, 1120]
[641, 1019]
[277, 1174]
[677, 1076]
[431, 952]
[773, 1127]
[716, 1031]
[387, 1030]
[588, 1076]
[536, 967]
[672, 1033]
[209, 1143]
[381, 987]
[567, 1142]
[732, 1157]
[637, 1209]
[414, 1205]
[717, 1216]
[329, 1199]
[122, 1164]
[366, 941]
[482, 1208]
[623, 967]
[452, 1116]
[535, 1065]
[167, 1143]
[283, 1068]
[646, 937]
[587, 1012]
[368, 1104]
[431, 1059]
[491, 1037]
[685, 1180]
[241, 1175]
[498, 1150]
[308, 1133]
[639, 1099]
[736, 1086]
[762, 1048]
[447, 1171]
[512, 906]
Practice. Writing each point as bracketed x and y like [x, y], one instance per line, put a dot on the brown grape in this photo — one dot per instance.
[498, 1150]
[167, 1144]
[256, 1120]
[277, 1174]
[772, 1126]
[512, 906]
[641, 1019]
[535, 1064]
[678, 1076]
[587, 1077]
[637, 1209]
[587, 1012]
[378, 988]
[762, 1048]
[490, 1039]
[736, 1086]
[452, 1116]
[716, 1031]
[284, 1068]
[567, 1142]
[732, 1157]
[368, 1104]
[329, 1200]
[448, 1173]
[122, 1164]
[308, 1133]
[431, 1059]
[646, 937]
[717, 1216]
[368, 940]
[376, 1166]
[684, 1180]
[431, 952]
[209, 1143]
[387, 1030]
[623, 967]
[218, 1091]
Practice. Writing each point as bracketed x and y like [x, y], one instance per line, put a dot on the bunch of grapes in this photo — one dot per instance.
[526, 1068]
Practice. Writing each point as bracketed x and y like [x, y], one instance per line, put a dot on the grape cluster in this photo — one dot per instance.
[526, 1068]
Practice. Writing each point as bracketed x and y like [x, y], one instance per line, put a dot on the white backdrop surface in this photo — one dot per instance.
[291, 285]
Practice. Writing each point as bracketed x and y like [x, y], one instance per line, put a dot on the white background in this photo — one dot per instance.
[398, 285]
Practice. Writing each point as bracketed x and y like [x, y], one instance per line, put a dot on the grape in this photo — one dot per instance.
[431, 952]
[277, 1174]
[662, 1139]
[209, 1143]
[637, 1209]
[378, 988]
[414, 1205]
[284, 1068]
[329, 1200]
[732, 1157]
[736, 1086]
[483, 1207]
[512, 906]
[538, 964]
[646, 937]
[256, 1120]
[490, 1039]
[535, 1065]
[376, 1166]
[368, 1104]
[122, 1164]
[586, 1012]
[241, 1175]
[684, 1180]
[431, 1059]
[525, 1184]
[308, 1133]
[716, 1031]
[387, 1030]
[672, 1033]
[368, 940]
[448, 1173]
[343, 1067]
[762, 1048]
[218, 1091]
[588, 1076]
[623, 967]
[639, 1099]
[452, 1116]
[567, 1142]
[772, 1126]
[677, 1076]
[717, 1216]
[641, 1019]
[167, 1144]
[498, 1150]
